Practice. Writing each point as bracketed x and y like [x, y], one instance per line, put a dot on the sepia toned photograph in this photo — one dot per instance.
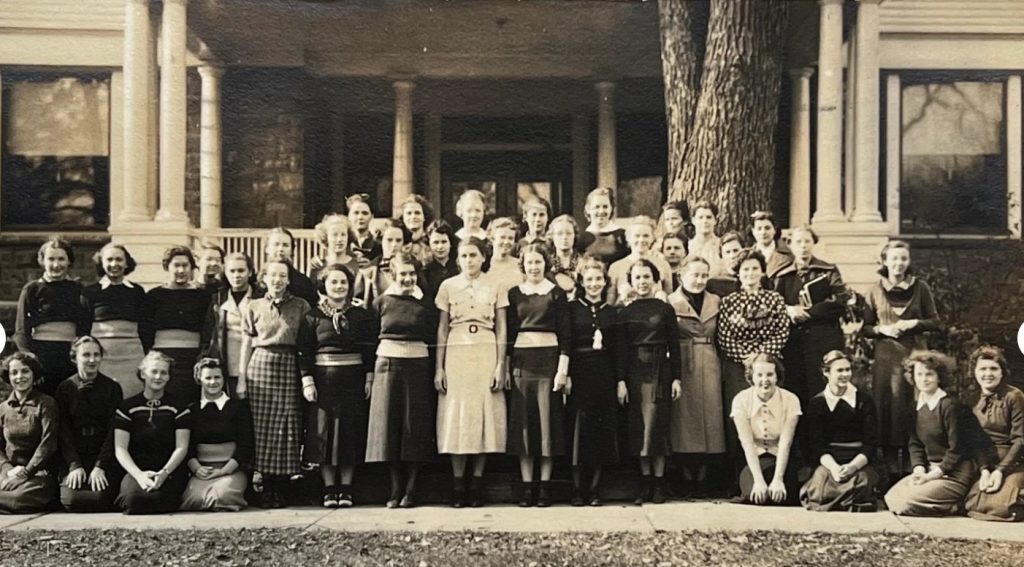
[511, 282]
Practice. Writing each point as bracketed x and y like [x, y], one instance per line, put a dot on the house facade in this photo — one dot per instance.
[159, 122]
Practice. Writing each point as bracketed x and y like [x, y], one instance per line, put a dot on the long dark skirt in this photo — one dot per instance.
[649, 411]
[1004, 505]
[804, 350]
[734, 381]
[87, 500]
[338, 425]
[402, 403]
[593, 410]
[940, 497]
[36, 494]
[55, 357]
[893, 395]
[132, 499]
[767, 464]
[536, 413]
[183, 383]
[822, 493]
[273, 391]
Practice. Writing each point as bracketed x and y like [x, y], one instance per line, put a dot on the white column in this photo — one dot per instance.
[849, 123]
[402, 173]
[138, 39]
[173, 113]
[893, 150]
[607, 160]
[432, 135]
[829, 113]
[153, 107]
[210, 148]
[117, 190]
[800, 148]
[865, 136]
[1013, 153]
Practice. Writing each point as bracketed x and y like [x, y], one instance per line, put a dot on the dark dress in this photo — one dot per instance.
[649, 364]
[944, 436]
[218, 428]
[302, 286]
[87, 440]
[1001, 415]
[173, 310]
[536, 413]
[434, 273]
[402, 403]
[843, 432]
[120, 320]
[593, 407]
[153, 426]
[887, 304]
[338, 349]
[369, 247]
[28, 430]
[607, 247]
[50, 302]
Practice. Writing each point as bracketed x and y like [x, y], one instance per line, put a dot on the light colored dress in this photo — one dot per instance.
[698, 423]
[471, 419]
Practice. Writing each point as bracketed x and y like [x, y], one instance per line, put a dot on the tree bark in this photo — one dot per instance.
[729, 158]
[680, 63]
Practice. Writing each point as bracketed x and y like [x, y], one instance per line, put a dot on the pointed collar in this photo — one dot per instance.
[32, 399]
[105, 283]
[849, 396]
[464, 233]
[683, 308]
[931, 401]
[220, 401]
[395, 289]
[229, 303]
[462, 281]
[907, 283]
[612, 226]
[766, 251]
[773, 405]
[279, 301]
[813, 263]
[545, 286]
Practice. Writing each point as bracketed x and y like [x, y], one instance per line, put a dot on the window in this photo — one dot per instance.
[56, 151]
[953, 157]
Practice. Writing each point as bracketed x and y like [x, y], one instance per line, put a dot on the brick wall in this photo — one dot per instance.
[192, 147]
[263, 150]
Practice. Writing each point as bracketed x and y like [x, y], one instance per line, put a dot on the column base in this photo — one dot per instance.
[828, 217]
[165, 216]
[147, 241]
[869, 217]
[854, 247]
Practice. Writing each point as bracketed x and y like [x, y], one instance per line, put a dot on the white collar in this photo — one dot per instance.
[220, 401]
[105, 283]
[850, 397]
[395, 289]
[766, 250]
[931, 401]
[755, 403]
[463, 281]
[466, 232]
[541, 288]
[610, 227]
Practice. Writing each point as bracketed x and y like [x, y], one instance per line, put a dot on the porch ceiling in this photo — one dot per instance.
[434, 39]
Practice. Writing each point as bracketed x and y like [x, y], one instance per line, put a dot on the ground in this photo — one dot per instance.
[296, 547]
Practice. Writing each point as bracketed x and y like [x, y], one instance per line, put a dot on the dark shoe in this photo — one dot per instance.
[578, 498]
[459, 498]
[391, 504]
[642, 490]
[595, 501]
[267, 499]
[476, 494]
[345, 499]
[330, 499]
[277, 501]
[408, 501]
[658, 492]
[527, 499]
[544, 494]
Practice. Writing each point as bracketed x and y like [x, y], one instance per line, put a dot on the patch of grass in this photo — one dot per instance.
[289, 547]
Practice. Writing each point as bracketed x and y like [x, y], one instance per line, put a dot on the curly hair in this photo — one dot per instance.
[751, 254]
[97, 259]
[441, 226]
[57, 243]
[589, 262]
[645, 263]
[175, 251]
[943, 365]
[748, 367]
[321, 279]
[26, 358]
[85, 340]
[993, 353]
[329, 219]
[535, 248]
[893, 245]
[151, 357]
[204, 363]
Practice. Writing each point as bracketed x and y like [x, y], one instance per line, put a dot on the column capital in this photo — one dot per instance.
[605, 87]
[181, 2]
[830, 2]
[210, 71]
[404, 85]
[801, 72]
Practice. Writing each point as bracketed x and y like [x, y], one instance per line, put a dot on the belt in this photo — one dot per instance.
[54, 331]
[115, 329]
[176, 338]
[89, 431]
[472, 328]
[339, 359]
[848, 445]
[700, 340]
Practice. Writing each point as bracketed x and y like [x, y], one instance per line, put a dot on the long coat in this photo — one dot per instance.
[698, 420]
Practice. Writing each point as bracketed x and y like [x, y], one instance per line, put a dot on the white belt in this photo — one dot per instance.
[115, 329]
[536, 339]
[176, 338]
[345, 359]
[402, 349]
[55, 331]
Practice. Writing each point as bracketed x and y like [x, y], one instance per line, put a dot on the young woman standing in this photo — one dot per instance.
[470, 374]
[603, 239]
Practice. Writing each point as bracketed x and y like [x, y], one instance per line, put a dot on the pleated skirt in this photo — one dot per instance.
[401, 426]
[593, 410]
[471, 418]
[536, 412]
[273, 392]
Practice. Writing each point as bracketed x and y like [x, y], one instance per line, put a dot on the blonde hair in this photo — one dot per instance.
[329, 219]
[466, 196]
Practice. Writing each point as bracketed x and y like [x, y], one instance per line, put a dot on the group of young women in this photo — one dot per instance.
[538, 340]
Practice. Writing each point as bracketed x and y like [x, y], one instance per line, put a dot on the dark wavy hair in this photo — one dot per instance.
[993, 353]
[441, 226]
[129, 261]
[751, 254]
[26, 358]
[175, 251]
[943, 365]
[535, 248]
[321, 279]
[482, 245]
[645, 263]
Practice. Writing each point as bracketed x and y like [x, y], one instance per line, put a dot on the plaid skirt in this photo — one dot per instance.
[273, 391]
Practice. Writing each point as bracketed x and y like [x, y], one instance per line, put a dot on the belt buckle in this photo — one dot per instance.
[474, 329]
[88, 431]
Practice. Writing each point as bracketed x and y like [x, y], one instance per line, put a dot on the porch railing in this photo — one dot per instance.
[253, 241]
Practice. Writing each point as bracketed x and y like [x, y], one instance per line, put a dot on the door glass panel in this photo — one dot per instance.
[550, 192]
[488, 188]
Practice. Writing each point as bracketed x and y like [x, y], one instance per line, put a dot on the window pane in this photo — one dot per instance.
[953, 161]
[66, 117]
[488, 188]
[537, 190]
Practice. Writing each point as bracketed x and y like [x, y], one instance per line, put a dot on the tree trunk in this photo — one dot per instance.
[730, 156]
[680, 63]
